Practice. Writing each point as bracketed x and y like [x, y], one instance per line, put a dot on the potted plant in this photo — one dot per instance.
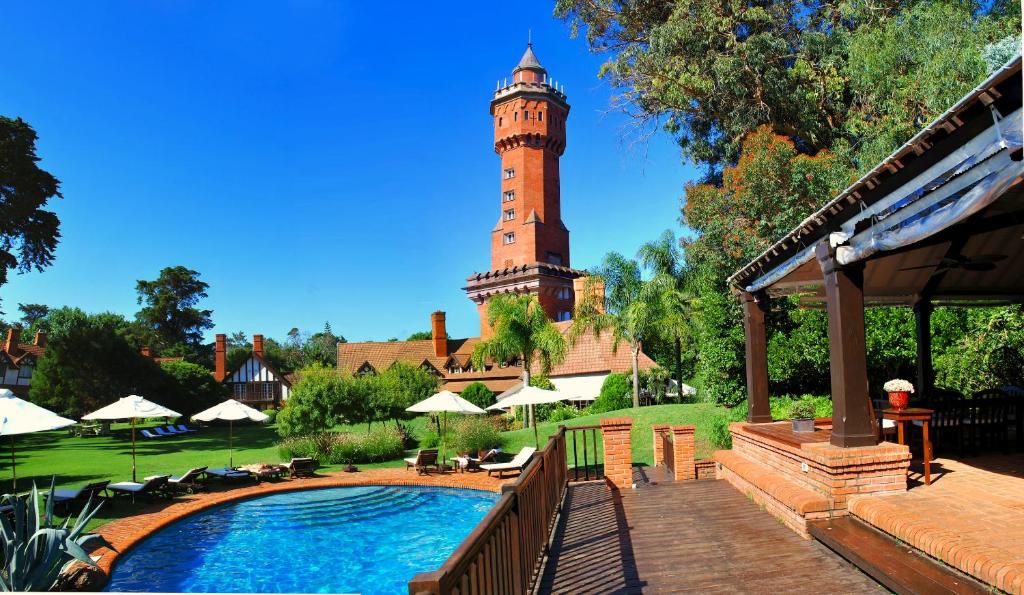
[899, 393]
[802, 413]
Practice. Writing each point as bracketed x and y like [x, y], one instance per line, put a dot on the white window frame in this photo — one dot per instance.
[510, 214]
[508, 238]
[268, 390]
[510, 172]
[510, 195]
[24, 372]
[238, 389]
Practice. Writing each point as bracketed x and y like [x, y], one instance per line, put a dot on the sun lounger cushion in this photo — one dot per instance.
[518, 462]
[228, 473]
[148, 434]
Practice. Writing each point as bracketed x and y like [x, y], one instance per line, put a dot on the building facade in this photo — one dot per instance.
[255, 382]
[530, 242]
[18, 360]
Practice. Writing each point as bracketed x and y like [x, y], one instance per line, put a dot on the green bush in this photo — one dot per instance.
[272, 414]
[720, 435]
[472, 434]
[542, 381]
[478, 394]
[381, 444]
[562, 412]
[616, 393]
[802, 409]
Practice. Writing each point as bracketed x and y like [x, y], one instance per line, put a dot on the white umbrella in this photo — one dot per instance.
[529, 396]
[230, 411]
[18, 416]
[132, 407]
[445, 401]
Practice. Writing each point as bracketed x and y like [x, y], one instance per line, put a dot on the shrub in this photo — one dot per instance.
[317, 402]
[272, 414]
[542, 381]
[472, 434]
[720, 435]
[501, 421]
[562, 412]
[478, 394]
[616, 393]
[802, 409]
[381, 444]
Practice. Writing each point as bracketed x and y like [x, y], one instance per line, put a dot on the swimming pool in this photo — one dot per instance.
[369, 539]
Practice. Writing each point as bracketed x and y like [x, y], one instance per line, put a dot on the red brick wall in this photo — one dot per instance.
[659, 447]
[683, 452]
[618, 452]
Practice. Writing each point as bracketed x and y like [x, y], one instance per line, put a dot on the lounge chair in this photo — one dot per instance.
[153, 486]
[182, 428]
[148, 434]
[423, 461]
[71, 501]
[301, 467]
[189, 483]
[224, 473]
[516, 464]
[172, 430]
[162, 432]
[468, 463]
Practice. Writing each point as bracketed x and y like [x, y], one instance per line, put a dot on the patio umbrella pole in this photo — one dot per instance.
[536, 436]
[231, 440]
[133, 449]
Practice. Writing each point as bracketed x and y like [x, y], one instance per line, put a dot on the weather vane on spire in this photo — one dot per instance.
[529, 38]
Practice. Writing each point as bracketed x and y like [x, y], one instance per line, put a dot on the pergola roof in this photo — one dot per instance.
[941, 218]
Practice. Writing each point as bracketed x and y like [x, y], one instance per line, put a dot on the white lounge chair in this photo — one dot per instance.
[153, 486]
[516, 464]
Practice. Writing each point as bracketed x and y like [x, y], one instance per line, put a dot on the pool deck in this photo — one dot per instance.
[149, 517]
[694, 536]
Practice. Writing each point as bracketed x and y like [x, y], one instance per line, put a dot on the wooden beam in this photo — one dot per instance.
[755, 306]
[923, 327]
[852, 423]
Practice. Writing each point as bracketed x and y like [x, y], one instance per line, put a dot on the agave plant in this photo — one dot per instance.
[36, 550]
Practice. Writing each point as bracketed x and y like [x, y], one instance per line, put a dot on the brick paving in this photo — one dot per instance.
[971, 516]
[126, 532]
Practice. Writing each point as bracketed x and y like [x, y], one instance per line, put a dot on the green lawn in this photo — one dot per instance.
[75, 461]
[696, 414]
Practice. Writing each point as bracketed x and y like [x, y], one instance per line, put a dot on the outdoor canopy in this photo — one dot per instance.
[529, 396]
[131, 408]
[18, 416]
[231, 411]
[445, 401]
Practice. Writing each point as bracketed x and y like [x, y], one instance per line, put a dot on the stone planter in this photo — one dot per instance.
[803, 425]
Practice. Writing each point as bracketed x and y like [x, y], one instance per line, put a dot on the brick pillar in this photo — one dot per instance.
[682, 450]
[220, 357]
[659, 450]
[618, 452]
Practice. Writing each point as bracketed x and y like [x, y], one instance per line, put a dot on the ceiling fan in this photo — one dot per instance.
[982, 262]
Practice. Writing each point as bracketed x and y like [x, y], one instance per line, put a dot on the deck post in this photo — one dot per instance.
[755, 306]
[923, 325]
[852, 424]
[618, 452]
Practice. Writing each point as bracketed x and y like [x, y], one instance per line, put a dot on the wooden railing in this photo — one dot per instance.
[504, 552]
[668, 451]
[587, 448]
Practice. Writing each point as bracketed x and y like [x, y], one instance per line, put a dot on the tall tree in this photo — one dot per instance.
[664, 259]
[28, 233]
[521, 329]
[32, 314]
[632, 309]
[170, 306]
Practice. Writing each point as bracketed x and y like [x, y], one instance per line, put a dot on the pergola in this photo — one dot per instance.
[939, 222]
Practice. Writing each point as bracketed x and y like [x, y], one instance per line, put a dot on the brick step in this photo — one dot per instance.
[795, 497]
[900, 568]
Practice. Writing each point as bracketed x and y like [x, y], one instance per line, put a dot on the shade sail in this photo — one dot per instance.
[131, 407]
[445, 401]
[530, 395]
[18, 416]
[231, 410]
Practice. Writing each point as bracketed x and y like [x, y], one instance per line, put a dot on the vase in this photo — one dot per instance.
[899, 399]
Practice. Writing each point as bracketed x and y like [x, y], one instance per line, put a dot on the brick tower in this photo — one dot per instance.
[530, 243]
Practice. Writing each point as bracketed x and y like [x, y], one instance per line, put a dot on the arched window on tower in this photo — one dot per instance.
[501, 121]
[515, 116]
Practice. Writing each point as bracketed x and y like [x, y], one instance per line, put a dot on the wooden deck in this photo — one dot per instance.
[700, 536]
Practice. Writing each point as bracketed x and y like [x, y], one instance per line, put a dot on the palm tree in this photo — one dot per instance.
[664, 259]
[632, 310]
[521, 329]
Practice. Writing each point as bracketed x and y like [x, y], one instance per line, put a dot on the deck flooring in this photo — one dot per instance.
[694, 536]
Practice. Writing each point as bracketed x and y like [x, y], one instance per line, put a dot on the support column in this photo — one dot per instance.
[618, 452]
[755, 306]
[852, 424]
[923, 325]
[683, 452]
[659, 444]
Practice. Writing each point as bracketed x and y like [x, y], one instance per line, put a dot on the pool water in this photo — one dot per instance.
[369, 539]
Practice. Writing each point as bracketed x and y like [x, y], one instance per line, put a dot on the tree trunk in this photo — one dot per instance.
[526, 382]
[635, 352]
[679, 369]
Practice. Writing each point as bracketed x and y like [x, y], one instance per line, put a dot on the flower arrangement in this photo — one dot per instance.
[898, 385]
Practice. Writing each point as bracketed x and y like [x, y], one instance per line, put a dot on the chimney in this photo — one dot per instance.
[40, 339]
[257, 345]
[596, 284]
[11, 343]
[146, 351]
[439, 334]
[220, 361]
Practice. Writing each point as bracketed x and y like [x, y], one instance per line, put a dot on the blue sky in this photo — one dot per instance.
[315, 161]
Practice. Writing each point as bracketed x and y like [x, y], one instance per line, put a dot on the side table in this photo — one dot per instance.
[901, 417]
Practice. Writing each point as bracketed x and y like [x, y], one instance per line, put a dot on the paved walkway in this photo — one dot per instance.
[971, 516]
[126, 532]
[697, 536]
